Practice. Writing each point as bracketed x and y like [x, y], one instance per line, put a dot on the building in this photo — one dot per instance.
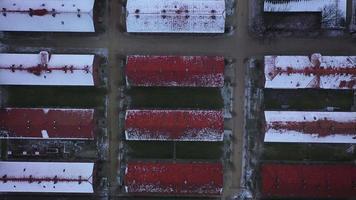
[331, 181]
[310, 127]
[46, 177]
[170, 179]
[317, 71]
[47, 123]
[174, 125]
[353, 18]
[48, 69]
[175, 71]
[170, 16]
[332, 14]
[47, 15]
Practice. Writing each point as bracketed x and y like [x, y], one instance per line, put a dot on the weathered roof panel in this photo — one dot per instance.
[47, 15]
[170, 16]
[45, 69]
[175, 71]
[47, 123]
[191, 179]
[46, 177]
[310, 127]
[308, 180]
[58, 5]
[174, 125]
[325, 72]
[304, 5]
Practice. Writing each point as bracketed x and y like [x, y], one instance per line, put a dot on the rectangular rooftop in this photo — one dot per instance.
[170, 16]
[175, 71]
[47, 15]
[48, 69]
[174, 125]
[317, 71]
[167, 178]
[46, 177]
[47, 123]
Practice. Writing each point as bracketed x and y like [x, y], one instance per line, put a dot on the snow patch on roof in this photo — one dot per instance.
[61, 69]
[47, 15]
[171, 16]
[310, 127]
[52, 177]
[333, 11]
[326, 72]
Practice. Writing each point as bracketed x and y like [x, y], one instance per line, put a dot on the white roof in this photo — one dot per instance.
[326, 72]
[54, 177]
[171, 16]
[320, 129]
[66, 18]
[79, 77]
[304, 5]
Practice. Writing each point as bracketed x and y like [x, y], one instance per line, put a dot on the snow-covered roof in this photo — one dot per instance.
[310, 127]
[304, 5]
[175, 71]
[333, 12]
[47, 15]
[174, 125]
[171, 16]
[46, 177]
[168, 178]
[47, 123]
[317, 181]
[45, 69]
[326, 72]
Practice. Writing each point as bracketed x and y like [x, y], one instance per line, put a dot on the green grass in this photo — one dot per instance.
[39, 96]
[199, 150]
[312, 152]
[308, 99]
[174, 98]
[165, 150]
[149, 150]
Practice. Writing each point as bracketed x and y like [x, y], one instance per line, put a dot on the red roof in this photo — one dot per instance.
[309, 181]
[179, 71]
[47, 123]
[183, 125]
[191, 179]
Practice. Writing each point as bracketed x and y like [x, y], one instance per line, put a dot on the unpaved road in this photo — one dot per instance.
[239, 46]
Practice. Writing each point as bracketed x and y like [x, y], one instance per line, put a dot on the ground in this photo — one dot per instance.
[239, 45]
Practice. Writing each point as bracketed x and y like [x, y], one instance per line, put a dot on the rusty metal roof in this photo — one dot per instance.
[47, 123]
[175, 71]
[336, 181]
[168, 178]
[174, 125]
